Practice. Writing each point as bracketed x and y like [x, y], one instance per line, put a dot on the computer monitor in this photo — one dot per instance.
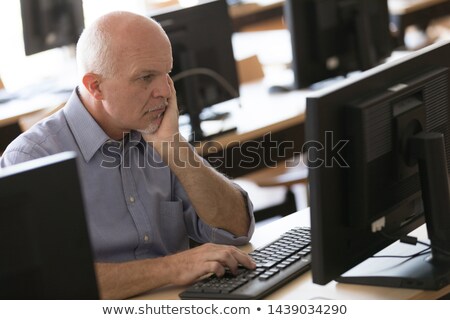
[44, 242]
[379, 157]
[332, 38]
[49, 24]
[204, 69]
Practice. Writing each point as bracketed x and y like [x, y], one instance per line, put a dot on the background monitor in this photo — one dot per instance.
[46, 253]
[332, 38]
[380, 158]
[49, 24]
[204, 69]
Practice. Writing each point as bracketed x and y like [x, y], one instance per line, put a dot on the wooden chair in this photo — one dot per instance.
[271, 189]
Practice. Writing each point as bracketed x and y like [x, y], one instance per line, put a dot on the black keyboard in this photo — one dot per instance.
[276, 264]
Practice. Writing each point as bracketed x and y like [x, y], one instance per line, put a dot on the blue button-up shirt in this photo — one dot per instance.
[136, 207]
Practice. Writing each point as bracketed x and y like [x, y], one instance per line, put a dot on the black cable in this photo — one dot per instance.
[414, 241]
[210, 73]
[440, 250]
[224, 85]
[420, 253]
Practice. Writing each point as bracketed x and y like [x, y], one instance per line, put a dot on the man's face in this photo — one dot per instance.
[135, 97]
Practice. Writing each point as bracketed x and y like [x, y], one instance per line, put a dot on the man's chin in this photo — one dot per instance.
[149, 130]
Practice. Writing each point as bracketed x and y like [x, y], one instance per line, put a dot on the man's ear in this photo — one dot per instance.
[91, 82]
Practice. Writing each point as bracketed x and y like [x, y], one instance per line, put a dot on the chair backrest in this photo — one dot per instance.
[249, 69]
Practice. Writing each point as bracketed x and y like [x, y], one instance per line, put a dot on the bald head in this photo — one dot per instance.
[107, 39]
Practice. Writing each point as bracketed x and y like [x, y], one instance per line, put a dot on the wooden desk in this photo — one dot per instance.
[302, 287]
[404, 13]
[256, 11]
[11, 111]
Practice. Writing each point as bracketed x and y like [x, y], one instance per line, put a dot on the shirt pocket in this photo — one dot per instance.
[173, 230]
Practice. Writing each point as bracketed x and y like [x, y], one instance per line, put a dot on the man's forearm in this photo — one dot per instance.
[217, 201]
[127, 279]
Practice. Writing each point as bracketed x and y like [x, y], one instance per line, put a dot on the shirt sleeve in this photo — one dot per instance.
[201, 232]
[12, 157]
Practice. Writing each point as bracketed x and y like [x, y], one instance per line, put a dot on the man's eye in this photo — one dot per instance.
[147, 78]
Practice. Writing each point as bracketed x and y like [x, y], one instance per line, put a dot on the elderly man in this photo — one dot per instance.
[146, 190]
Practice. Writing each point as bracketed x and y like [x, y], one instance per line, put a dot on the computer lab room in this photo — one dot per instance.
[225, 149]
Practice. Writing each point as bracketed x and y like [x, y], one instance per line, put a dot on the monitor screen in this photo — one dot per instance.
[49, 24]
[204, 69]
[379, 152]
[46, 253]
[331, 38]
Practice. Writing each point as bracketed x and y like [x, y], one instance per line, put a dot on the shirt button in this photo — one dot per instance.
[131, 199]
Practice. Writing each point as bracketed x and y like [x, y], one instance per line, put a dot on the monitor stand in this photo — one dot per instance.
[431, 271]
[210, 124]
[420, 272]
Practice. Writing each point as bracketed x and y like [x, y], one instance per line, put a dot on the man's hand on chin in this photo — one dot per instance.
[168, 129]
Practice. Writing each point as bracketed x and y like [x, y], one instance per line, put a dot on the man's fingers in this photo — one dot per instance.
[210, 259]
[232, 257]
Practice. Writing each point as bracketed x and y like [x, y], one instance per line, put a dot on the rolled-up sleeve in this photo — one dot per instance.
[224, 237]
[201, 232]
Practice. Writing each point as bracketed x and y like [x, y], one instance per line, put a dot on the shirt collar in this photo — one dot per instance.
[87, 133]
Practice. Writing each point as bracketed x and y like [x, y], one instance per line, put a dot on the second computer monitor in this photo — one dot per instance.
[204, 69]
[379, 161]
[51, 24]
[332, 38]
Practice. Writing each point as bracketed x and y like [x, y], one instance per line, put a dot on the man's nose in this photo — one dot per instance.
[162, 88]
